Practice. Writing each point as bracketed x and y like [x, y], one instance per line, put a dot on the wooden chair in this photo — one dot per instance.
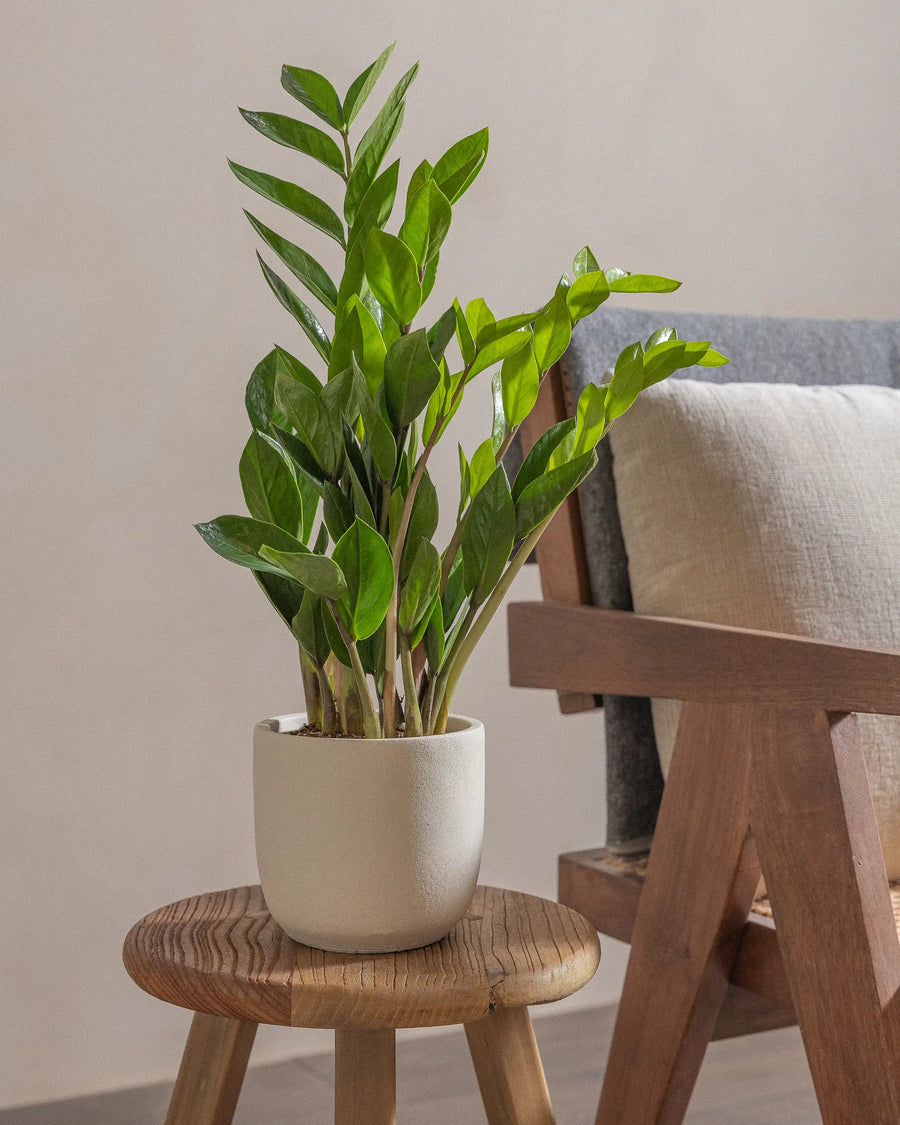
[766, 776]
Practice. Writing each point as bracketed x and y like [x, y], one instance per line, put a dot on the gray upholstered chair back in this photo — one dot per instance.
[761, 349]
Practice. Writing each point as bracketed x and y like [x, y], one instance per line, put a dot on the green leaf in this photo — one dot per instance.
[585, 262]
[441, 333]
[643, 283]
[410, 377]
[427, 222]
[420, 586]
[316, 572]
[552, 332]
[463, 334]
[482, 465]
[591, 418]
[259, 397]
[540, 499]
[392, 273]
[465, 482]
[365, 561]
[375, 209]
[335, 640]
[480, 320]
[660, 336]
[362, 86]
[392, 103]
[318, 429]
[299, 310]
[498, 425]
[498, 350]
[713, 359]
[460, 164]
[586, 294]
[506, 325]
[520, 379]
[661, 359]
[309, 471]
[339, 398]
[627, 381]
[488, 536]
[239, 539]
[614, 274]
[298, 371]
[284, 595]
[423, 519]
[417, 180]
[378, 435]
[270, 488]
[315, 92]
[563, 285]
[309, 629]
[299, 135]
[302, 265]
[454, 596]
[293, 197]
[538, 457]
[434, 636]
[337, 510]
[443, 404]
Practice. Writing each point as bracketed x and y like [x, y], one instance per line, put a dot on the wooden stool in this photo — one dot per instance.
[223, 956]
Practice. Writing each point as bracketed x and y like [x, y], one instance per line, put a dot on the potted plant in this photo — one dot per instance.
[369, 803]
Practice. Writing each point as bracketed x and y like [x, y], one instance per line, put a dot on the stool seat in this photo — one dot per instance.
[222, 954]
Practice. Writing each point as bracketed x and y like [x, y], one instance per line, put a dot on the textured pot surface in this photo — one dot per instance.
[368, 845]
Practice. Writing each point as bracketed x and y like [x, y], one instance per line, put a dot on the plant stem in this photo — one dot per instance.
[442, 677]
[311, 691]
[371, 726]
[329, 714]
[412, 716]
[348, 161]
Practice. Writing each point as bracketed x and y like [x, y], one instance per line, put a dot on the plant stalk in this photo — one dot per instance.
[413, 715]
[371, 726]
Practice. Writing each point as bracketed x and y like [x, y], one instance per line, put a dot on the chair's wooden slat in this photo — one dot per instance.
[560, 550]
[818, 839]
[608, 651]
[684, 944]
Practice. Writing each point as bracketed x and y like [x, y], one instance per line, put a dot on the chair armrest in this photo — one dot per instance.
[610, 652]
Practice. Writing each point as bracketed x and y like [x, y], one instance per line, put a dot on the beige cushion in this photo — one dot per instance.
[772, 507]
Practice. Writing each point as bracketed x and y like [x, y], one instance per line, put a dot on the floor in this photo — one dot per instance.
[759, 1078]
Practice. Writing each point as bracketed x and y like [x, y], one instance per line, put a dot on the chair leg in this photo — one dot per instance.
[818, 841]
[508, 1068]
[365, 1077]
[211, 1072]
[700, 883]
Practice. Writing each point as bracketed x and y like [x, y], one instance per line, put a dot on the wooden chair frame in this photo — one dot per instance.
[767, 776]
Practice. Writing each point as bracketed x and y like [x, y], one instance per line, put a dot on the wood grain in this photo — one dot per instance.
[223, 954]
[616, 653]
[560, 550]
[508, 1067]
[211, 1072]
[365, 1077]
[818, 840]
[684, 944]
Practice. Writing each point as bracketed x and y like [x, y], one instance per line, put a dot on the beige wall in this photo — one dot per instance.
[749, 149]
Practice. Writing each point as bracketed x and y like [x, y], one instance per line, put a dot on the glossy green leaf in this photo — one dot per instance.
[643, 283]
[660, 336]
[315, 92]
[460, 164]
[481, 320]
[443, 404]
[498, 350]
[293, 197]
[393, 275]
[590, 418]
[454, 596]
[465, 482]
[434, 636]
[585, 262]
[299, 310]
[308, 469]
[339, 398]
[365, 561]
[520, 379]
[335, 640]
[552, 332]
[713, 359]
[337, 510]
[614, 274]
[317, 428]
[269, 485]
[316, 572]
[420, 586]
[505, 326]
[299, 135]
[378, 435]
[309, 629]
[627, 381]
[410, 377]
[298, 371]
[417, 180]
[259, 397]
[375, 143]
[427, 222]
[661, 359]
[362, 86]
[375, 209]
[441, 333]
[488, 536]
[283, 594]
[481, 466]
[563, 285]
[540, 499]
[239, 539]
[302, 265]
[586, 294]
[423, 519]
[463, 334]
[498, 424]
[538, 457]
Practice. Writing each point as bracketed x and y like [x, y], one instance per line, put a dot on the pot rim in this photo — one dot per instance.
[290, 723]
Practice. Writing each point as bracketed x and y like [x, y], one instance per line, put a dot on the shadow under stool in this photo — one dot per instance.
[223, 956]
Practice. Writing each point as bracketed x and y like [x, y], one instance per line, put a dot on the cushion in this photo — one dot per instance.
[772, 507]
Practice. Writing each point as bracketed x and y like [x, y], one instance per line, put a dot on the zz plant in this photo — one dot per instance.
[343, 511]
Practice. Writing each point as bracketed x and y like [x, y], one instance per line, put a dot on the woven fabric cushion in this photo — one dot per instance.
[772, 507]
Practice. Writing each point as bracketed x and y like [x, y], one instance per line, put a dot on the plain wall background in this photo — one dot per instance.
[748, 149]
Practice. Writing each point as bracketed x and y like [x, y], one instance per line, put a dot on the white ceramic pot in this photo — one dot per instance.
[368, 845]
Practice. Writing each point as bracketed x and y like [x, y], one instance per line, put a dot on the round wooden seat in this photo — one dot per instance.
[222, 953]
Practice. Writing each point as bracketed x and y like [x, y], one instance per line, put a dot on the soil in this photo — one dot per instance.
[315, 732]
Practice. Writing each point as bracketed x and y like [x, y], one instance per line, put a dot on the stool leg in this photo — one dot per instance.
[211, 1072]
[365, 1077]
[509, 1070]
